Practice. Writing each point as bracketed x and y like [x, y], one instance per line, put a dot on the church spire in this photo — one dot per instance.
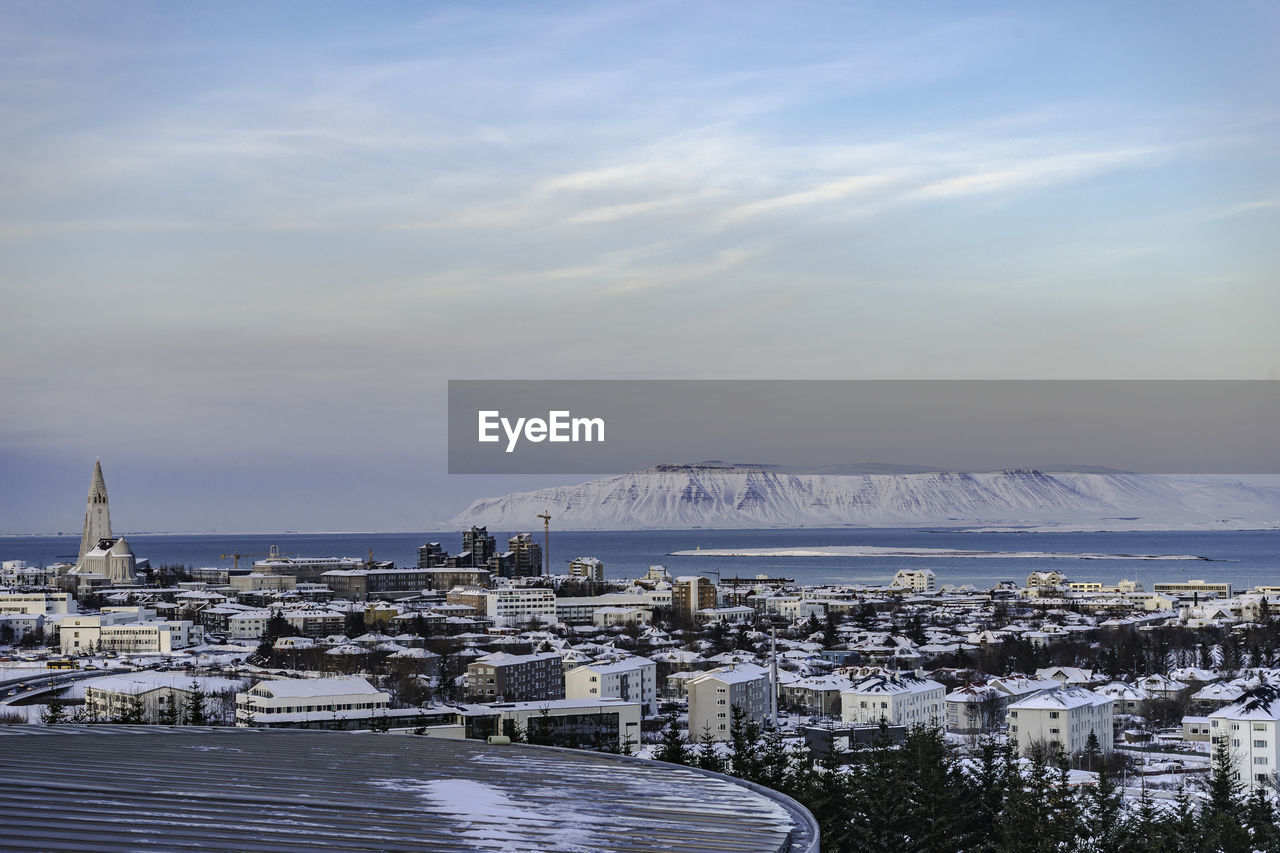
[97, 513]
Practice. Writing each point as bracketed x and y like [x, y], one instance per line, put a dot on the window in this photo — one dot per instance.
[1261, 744]
[1262, 759]
[1053, 715]
[1053, 731]
[1013, 714]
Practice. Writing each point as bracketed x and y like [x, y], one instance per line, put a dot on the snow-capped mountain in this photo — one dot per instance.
[686, 496]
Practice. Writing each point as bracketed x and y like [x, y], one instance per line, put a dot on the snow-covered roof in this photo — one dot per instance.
[303, 688]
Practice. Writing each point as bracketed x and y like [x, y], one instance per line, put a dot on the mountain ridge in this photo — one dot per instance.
[723, 495]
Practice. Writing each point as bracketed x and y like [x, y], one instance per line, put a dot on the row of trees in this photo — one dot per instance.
[920, 796]
[198, 709]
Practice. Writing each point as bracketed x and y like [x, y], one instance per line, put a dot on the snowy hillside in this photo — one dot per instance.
[686, 496]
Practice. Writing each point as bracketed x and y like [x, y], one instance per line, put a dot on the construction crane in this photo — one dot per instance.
[236, 555]
[546, 547]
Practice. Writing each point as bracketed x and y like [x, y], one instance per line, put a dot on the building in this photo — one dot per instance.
[1193, 589]
[502, 677]
[591, 568]
[444, 578]
[126, 633]
[431, 555]
[37, 603]
[975, 709]
[478, 546]
[111, 558]
[899, 699]
[584, 722]
[613, 617]
[725, 615]
[1250, 727]
[97, 514]
[580, 610]
[633, 679]
[526, 556]
[342, 702]
[305, 569]
[713, 695]
[1065, 716]
[388, 584]
[309, 791]
[916, 580]
[691, 593]
[1045, 583]
[153, 696]
[513, 607]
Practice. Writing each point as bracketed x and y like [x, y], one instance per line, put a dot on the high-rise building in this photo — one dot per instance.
[526, 555]
[431, 555]
[479, 544]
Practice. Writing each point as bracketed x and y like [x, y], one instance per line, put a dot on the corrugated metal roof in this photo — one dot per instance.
[106, 787]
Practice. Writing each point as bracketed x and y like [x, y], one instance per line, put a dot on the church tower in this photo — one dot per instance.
[97, 515]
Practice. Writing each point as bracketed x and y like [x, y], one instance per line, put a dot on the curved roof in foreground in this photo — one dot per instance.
[106, 787]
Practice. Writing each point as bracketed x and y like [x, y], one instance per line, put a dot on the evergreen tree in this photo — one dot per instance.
[744, 735]
[55, 712]
[196, 713]
[674, 749]
[1260, 821]
[707, 756]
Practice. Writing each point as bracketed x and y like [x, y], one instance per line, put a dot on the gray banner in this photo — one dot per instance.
[854, 426]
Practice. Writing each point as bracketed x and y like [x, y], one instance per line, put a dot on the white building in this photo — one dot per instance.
[713, 695]
[157, 695]
[610, 617]
[1251, 729]
[302, 701]
[897, 699]
[916, 580]
[634, 679]
[512, 606]
[126, 632]
[37, 603]
[1065, 716]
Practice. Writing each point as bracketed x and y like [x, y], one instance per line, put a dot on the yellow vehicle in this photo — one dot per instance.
[62, 664]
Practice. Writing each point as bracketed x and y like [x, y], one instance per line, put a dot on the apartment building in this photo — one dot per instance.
[502, 677]
[1251, 729]
[591, 568]
[916, 580]
[899, 699]
[633, 679]
[513, 607]
[691, 593]
[1065, 716]
[713, 695]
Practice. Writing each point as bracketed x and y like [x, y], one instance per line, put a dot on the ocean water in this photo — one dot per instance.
[1245, 558]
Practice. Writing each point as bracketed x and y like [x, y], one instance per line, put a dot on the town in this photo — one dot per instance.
[1161, 699]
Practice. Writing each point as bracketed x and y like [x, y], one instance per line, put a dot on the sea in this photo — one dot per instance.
[1244, 558]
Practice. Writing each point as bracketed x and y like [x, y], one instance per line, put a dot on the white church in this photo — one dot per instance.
[104, 559]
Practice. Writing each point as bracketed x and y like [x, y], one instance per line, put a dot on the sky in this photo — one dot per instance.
[244, 246]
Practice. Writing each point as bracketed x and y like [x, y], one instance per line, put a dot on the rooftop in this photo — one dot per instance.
[132, 787]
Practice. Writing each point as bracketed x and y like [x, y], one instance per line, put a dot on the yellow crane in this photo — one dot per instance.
[236, 555]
